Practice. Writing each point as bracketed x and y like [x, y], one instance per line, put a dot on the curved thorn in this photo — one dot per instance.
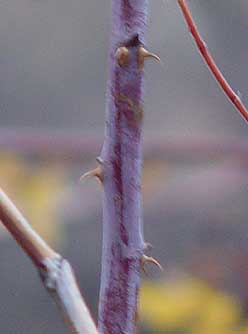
[97, 172]
[143, 53]
[148, 259]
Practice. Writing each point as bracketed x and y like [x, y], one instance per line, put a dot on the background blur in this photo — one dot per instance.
[53, 72]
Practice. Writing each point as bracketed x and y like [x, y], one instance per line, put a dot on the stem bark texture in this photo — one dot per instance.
[121, 162]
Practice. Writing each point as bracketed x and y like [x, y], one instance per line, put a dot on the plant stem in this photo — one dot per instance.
[121, 162]
[210, 61]
[56, 273]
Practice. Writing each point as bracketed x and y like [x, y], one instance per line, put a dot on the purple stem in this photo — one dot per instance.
[121, 159]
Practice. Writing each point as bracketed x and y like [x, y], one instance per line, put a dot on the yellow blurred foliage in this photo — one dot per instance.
[188, 305]
[35, 189]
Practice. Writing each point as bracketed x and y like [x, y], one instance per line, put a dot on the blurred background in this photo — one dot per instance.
[53, 72]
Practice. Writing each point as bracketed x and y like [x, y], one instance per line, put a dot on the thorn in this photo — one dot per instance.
[142, 54]
[122, 55]
[148, 259]
[97, 172]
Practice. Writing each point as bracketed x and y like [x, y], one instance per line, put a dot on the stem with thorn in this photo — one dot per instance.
[56, 273]
[210, 61]
[121, 162]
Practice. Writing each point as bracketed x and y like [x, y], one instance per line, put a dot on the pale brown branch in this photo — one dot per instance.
[210, 61]
[22, 232]
[56, 273]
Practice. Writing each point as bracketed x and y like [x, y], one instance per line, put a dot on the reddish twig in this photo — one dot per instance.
[56, 273]
[210, 61]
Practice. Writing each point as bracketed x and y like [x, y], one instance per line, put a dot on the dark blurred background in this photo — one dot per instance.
[53, 73]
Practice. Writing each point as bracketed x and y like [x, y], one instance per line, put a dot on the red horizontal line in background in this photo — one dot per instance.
[78, 146]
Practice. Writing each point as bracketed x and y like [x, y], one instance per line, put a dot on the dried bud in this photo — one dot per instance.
[122, 55]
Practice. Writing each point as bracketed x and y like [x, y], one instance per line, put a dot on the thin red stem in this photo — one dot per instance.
[210, 61]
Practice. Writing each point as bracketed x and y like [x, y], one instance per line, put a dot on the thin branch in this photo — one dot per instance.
[56, 273]
[210, 61]
[22, 232]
